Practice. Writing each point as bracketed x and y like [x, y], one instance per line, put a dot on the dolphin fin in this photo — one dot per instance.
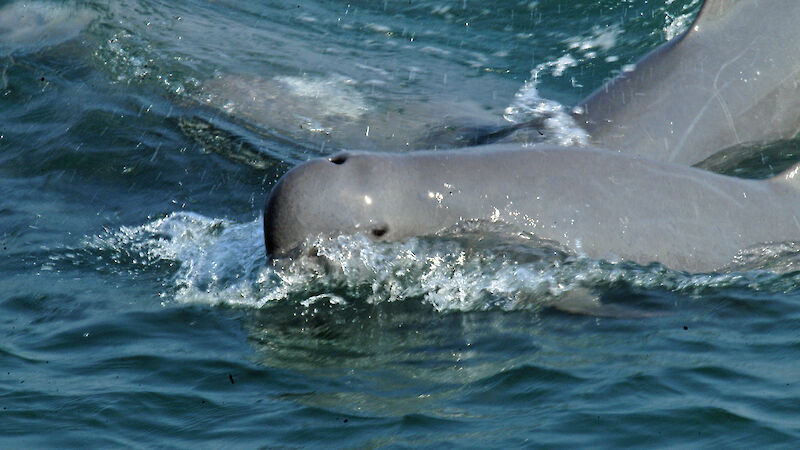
[728, 80]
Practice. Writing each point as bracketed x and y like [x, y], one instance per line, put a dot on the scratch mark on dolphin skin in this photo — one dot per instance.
[724, 104]
[692, 181]
[714, 96]
[793, 74]
[796, 222]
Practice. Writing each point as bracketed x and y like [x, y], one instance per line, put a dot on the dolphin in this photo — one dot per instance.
[598, 203]
[29, 26]
[728, 81]
[732, 79]
[723, 83]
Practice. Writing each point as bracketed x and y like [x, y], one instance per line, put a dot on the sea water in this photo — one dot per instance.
[139, 140]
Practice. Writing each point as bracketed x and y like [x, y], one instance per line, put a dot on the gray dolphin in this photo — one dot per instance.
[599, 203]
[733, 78]
[723, 83]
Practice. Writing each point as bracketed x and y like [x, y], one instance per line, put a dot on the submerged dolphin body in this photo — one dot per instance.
[599, 203]
[733, 78]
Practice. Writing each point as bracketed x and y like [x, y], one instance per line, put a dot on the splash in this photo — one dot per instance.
[212, 255]
[560, 127]
[130, 60]
[529, 105]
[473, 267]
[600, 38]
[678, 23]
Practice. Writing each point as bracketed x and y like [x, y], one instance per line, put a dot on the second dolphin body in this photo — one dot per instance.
[733, 78]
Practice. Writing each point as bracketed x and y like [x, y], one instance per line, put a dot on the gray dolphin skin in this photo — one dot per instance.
[727, 81]
[598, 203]
[731, 79]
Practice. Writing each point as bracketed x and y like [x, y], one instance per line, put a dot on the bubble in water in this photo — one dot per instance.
[677, 24]
[474, 266]
[561, 128]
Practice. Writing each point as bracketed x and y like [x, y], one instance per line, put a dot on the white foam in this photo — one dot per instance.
[604, 38]
[476, 267]
[677, 24]
[529, 105]
[561, 128]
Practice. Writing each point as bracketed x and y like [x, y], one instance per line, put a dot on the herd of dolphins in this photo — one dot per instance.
[732, 79]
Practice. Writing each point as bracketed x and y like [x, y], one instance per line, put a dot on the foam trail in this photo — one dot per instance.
[473, 267]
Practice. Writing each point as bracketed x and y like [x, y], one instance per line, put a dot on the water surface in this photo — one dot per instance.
[139, 140]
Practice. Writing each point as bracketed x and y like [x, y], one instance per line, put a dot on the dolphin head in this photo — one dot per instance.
[345, 194]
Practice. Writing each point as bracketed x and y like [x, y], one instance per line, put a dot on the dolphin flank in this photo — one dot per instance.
[599, 203]
[729, 80]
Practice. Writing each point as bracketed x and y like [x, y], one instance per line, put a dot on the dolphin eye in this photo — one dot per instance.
[380, 230]
[338, 159]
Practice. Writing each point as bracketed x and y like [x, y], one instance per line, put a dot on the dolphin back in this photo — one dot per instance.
[731, 79]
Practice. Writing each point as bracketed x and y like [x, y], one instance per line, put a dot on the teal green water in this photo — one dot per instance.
[138, 142]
